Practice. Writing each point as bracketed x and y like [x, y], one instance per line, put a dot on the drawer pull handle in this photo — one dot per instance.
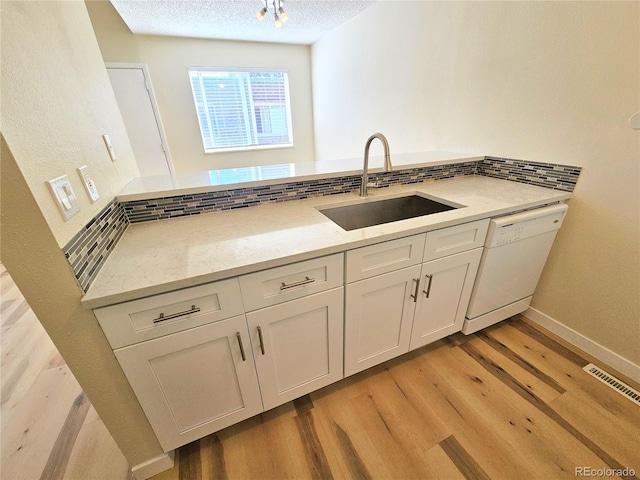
[428, 290]
[244, 358]
[306, 281]
[162, 317]
[261, 342]
[415, 294]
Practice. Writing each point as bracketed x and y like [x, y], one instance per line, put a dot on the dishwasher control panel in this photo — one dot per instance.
[507, 234]
[523, 225]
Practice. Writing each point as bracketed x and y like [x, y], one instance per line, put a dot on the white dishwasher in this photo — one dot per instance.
[515, 251]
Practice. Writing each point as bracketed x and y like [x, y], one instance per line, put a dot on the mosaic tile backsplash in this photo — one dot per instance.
[182, 205]
[89, 249]
[549, 175]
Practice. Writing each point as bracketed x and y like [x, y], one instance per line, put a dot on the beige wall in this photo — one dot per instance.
[543, 81]
[56, 104]
[168, 59]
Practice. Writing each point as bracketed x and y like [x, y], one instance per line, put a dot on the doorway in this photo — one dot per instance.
[132, 87]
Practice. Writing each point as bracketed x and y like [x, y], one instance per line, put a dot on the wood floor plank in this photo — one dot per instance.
[245, 449]
[56, 465]
[31, 424]
[532, 381]
[518, 360]
[507, 435]
[420, 429]
[314, 451]
[357, 468]
[465, 463]
[286, 453]
[530, 397]
[39, 423]
[612, 433]
[440, 466]
[95, 454]
[548, 342]
[16, 313]
[212, 458]
[399, 462]
[350, 450]
[190, 466]
[566, 372]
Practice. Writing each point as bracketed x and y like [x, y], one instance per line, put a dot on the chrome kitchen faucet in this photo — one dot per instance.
[365, 169]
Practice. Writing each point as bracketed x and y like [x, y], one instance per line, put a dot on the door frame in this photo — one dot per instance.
[154, 104]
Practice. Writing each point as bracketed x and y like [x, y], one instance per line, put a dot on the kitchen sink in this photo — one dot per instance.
[377, 212]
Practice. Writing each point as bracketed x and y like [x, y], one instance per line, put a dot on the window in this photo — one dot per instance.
[242, 109]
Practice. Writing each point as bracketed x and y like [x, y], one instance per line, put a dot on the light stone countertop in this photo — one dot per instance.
[161, 256]
[215, 180]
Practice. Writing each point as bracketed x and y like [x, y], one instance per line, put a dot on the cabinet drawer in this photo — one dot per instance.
[276, 285]
[384, 257]
[159, 315]
[451, 240]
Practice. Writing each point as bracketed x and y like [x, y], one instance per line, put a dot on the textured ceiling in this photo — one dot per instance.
[236, 19]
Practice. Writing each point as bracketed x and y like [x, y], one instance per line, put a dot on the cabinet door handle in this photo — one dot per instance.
[162, 317]
[244, 358]
[306, 280]
[428, 290]
[415, 294]
[261, 342]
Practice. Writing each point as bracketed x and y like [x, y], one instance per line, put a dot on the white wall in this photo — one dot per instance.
[543, 81]
[168, 59]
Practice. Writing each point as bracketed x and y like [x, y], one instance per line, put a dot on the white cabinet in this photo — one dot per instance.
[203, 358]
[297, 346]
[297, 340]
[382, 281]
[378, 316]
[443, 296]
[394, 309]
[194, 382]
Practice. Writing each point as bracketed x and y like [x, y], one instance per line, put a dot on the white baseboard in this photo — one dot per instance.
[153, 467]
[608, 357]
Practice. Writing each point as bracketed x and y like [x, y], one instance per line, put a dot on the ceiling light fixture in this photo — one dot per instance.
[278, 8]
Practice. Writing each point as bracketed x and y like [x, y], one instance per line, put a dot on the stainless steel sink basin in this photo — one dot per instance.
[376, 212]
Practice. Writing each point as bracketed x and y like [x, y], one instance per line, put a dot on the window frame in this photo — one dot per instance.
[252, 119]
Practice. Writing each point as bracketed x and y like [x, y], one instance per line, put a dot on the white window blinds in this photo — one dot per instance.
[242, 109]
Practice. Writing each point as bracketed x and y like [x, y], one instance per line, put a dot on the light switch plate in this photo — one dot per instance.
[64, 196]
[89, 185]
[112, 152]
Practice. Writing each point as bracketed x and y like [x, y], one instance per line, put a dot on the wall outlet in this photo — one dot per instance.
[64, 196]
[112, 152]
[89, 185]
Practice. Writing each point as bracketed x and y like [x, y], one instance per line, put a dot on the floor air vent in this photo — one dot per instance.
[614, 383]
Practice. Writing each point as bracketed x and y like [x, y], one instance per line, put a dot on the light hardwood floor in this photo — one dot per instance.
[49, 430]
[511, 402]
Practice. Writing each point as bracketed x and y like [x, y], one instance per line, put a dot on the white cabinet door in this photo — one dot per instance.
[445, 289]
[297, 346]
[378, 316]
[194, 382]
